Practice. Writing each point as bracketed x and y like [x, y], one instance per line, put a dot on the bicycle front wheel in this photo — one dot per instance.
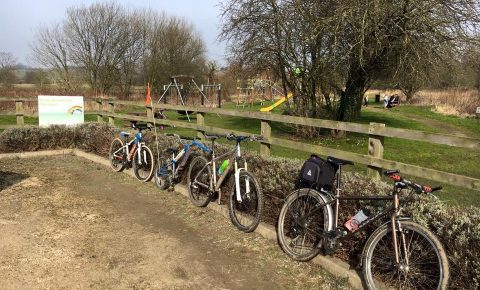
[422, 263]
[143, 165]
[302, 224]
[117, 155]
[246, 208]
[199, 180]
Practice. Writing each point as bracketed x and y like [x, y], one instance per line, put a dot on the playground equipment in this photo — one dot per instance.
[178, 87]
[277, 103]
[256, 89]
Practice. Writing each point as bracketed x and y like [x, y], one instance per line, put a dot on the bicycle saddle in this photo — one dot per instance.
[141, 126]
[337, 161]
[171, 150]
[212, 137]
[124, 134]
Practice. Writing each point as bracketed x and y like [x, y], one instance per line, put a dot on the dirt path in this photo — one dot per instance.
[68, 223]
[442, 127]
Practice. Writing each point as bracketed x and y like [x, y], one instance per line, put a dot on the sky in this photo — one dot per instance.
[20, 18]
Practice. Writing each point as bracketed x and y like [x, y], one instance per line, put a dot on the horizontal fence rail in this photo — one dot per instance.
[376, 133]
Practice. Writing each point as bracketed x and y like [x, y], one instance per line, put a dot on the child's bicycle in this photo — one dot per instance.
[205, 179]
[400, 254]
[133, 153]
[168, 170]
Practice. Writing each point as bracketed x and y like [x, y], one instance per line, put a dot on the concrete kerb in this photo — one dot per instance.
[333, 265]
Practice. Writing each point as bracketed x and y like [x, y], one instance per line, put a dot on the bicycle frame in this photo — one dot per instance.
[126, 149]
[394, 211]
[233, 155]
[180, 154]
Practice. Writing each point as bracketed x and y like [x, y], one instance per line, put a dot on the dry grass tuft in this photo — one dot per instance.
[459, 102]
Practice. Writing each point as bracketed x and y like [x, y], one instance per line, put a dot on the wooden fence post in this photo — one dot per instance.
[219, 97]
[201, 122]
[111, 109]
[266, 131]
[375, 149]
[99, 109]
[149, 109]
[19, 112]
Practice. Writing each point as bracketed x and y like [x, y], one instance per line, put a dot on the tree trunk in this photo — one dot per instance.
[351, 98]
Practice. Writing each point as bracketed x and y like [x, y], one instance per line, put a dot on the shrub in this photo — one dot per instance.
[458, 228]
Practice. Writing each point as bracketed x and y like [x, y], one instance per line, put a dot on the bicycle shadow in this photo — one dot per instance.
[8, 178]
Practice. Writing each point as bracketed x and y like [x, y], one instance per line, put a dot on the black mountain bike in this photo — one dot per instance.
[400, 253]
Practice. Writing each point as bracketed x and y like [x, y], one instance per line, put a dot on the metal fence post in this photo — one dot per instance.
[19, 113]
[375, 150]
[99, 110]
[201, 122]
[111, 109]
[266, 131]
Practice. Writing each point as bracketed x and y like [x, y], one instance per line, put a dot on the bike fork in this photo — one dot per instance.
[139, 153]
[397, 228]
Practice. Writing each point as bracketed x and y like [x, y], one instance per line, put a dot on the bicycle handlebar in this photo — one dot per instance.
[401, 182]
[141, 126]
[231, 136]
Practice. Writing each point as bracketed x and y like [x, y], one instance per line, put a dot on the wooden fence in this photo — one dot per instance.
[376, 134]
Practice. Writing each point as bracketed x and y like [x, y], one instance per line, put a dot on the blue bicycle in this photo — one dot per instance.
[169, 169]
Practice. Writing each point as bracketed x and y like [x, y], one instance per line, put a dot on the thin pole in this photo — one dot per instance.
[181, 97]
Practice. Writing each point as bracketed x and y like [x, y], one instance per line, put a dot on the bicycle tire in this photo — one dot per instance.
[199, 171]
[144, 171]
[116, 163]
[428, 264]
[246, 214]
[298, 204]
[161, 181]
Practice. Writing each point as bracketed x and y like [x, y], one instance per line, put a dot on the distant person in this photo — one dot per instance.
[365, 101]
[385, 101]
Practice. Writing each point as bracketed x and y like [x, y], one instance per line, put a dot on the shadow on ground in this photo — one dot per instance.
[8, 179]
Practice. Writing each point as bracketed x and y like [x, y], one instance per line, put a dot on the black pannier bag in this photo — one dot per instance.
[316, 173]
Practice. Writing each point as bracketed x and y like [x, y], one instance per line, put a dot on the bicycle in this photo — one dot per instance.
[121, 154]
[204, 182]
[400, 253]
[167, 171]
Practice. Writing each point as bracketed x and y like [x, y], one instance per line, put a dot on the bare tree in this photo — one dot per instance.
[173, 48]
[7, 68]
[96, 37]
[113, 47]
[51, 50]
[342, 46]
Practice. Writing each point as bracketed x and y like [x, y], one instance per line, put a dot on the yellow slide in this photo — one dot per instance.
[279, 102]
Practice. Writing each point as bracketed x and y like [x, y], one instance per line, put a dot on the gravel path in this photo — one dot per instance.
[68, 223]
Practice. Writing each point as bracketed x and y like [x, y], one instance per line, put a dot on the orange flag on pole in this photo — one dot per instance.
[148, 101]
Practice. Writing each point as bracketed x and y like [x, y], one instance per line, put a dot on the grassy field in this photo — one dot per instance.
[445, 158]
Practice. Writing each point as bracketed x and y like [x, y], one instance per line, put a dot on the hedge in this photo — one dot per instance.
[457, 227]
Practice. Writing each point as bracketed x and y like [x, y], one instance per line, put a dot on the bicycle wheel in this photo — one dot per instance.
[199, 181]
[143, 166]
[427, 266]
[302, 223]
[246, 212]
[162, 174]
[117, 155]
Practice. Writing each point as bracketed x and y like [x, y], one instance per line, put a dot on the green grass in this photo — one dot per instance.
[470, 124]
